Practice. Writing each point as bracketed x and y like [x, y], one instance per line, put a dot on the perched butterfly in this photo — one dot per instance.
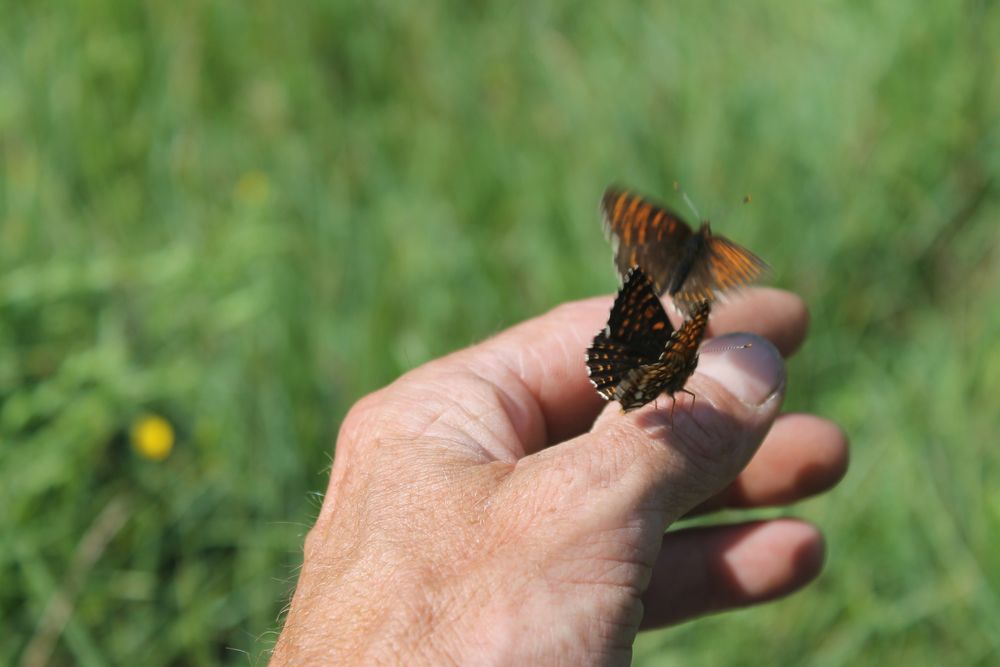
[638, 355]
[689, 266]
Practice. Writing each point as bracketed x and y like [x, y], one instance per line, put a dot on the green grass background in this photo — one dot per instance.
[246, 215]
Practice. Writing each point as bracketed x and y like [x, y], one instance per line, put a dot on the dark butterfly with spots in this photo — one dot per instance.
[690, 266]
[639, 355]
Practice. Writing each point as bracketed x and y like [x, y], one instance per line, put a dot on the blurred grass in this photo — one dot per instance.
[244, 216]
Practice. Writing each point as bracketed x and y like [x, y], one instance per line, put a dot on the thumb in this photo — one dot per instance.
[652, 461]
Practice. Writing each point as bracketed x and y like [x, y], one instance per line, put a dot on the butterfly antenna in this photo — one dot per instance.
[733, 347]
[747, 199]
[687, 200]
[728, 213]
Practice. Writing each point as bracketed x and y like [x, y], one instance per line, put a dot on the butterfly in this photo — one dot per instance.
[639, 355]
[690, 266]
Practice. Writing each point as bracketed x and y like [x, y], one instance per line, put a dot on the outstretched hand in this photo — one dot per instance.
[485, 507]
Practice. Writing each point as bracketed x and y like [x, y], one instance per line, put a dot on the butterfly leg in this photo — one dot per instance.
[694, 397]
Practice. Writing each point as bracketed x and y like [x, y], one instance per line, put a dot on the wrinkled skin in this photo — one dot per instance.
[489, 508]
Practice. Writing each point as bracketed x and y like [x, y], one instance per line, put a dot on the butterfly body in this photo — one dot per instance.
[692, 249]
[691, 266]
[639, 355]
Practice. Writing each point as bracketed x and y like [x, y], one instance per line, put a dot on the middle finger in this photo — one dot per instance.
[800, 457]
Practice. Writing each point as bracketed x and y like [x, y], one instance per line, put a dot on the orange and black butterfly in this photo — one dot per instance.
[689, 266]
[638, 355]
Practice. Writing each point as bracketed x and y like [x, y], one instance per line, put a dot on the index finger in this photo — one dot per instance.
[546, 354]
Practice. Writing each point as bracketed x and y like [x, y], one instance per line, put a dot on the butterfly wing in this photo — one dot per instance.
[721, 266]
[636, 334]
[677, 362]
[643, 234]
[681, 352]
[608, 363]
[641, 385]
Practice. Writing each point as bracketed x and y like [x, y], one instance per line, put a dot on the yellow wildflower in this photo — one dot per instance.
[153, 437]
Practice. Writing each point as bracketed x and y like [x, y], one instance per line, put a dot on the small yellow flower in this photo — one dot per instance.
[153, 437]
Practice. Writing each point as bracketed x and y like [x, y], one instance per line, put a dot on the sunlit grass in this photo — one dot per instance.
[242, 217]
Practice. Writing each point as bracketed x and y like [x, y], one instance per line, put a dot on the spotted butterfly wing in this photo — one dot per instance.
[639, 356]
[689, 266]
[669, 374]
[636, 334]
[643, 234]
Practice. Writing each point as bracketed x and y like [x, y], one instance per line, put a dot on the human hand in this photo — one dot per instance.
[477, 512]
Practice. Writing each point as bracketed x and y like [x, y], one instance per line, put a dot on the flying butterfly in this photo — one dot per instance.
[639, 355]
[690, 266]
